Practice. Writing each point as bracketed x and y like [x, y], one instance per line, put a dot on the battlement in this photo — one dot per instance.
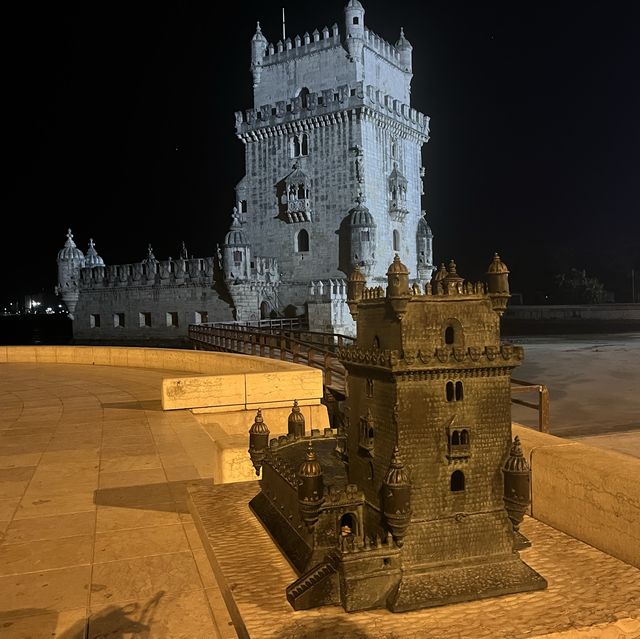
[297, 47]
[439, 357]
[436, 291]
[150, 273]
[328, 291]
[328, 102]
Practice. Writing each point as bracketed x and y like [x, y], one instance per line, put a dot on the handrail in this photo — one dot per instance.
[267, 341]
[520, 386]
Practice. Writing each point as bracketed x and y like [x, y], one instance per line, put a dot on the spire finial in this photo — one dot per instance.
[69, 234]
[91, 244]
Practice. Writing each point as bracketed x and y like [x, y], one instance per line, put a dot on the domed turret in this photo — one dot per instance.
[236, 252]
[453, 281]
[310, 488]
[354, 23]
[358, 239]
[517, 489]
[258, 441]
[296, 421]
[398, 291]
[396, 498]
[92, 258]
[70, 261]
[498, 280]
[405, 49]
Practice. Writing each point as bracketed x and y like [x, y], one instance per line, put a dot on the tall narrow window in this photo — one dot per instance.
[449, 391]
[449, 335]
[396, 240]
[237, 257]
[459, 391]
[243, 206]
[302, 241]
[369, 388]
[457, 481]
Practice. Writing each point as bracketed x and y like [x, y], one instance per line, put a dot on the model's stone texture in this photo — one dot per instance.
[417, 501]
[333, 179]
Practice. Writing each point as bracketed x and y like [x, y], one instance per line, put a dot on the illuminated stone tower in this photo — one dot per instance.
[331, 132]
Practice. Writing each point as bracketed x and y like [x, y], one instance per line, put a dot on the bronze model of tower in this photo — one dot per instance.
[429, 390]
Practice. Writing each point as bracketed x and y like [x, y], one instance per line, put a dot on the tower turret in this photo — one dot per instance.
[498, 281]
[92, 258]
[358, 239]
[236, 251]
[424, 246]
[258, 441]
[258, 48]
[354, 23]
[398, 291]
[70, 261]
[396, 498]
[355, 288]
[296, 421]
[405, 50]
[517, 490]
[310, 488]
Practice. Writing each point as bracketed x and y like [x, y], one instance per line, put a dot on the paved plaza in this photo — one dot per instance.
[97, 539]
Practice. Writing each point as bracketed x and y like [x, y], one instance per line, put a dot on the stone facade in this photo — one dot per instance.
[333, 179]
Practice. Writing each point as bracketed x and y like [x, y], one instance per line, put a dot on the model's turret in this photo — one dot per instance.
[258, 441]
[355, 289]
[398, 291]
[310, 488]
[517, 489]
[498, 281]
[296, 421]
[70, 261]
[354, 23]
[258, 48]
[396, 498]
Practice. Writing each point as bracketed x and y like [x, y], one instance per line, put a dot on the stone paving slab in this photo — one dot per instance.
[586, 587]
[95, 536]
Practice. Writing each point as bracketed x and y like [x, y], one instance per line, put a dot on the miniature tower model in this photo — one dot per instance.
[333, 156]
[429, 489]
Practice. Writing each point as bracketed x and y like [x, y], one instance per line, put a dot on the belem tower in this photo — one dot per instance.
[333, 178]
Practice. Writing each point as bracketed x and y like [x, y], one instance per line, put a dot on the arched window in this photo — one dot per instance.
[356, 20]
[464, 437]
[369, 388]
[376, 343]
[304, 97]
[455, 438]
[450, 392]
[449, 335]
[301, 192]
[237, 257]
[457, 481]
[302, 244]
[459, 391]
[396, 240]
[304, 145]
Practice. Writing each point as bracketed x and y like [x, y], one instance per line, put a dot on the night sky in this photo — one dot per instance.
[119, 122]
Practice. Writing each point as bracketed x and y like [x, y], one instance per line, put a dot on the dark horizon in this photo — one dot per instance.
[116, 121]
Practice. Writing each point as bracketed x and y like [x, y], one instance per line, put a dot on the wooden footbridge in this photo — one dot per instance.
[288, 340]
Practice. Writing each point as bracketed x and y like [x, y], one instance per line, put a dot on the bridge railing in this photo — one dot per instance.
[285, 342]
[520, 386]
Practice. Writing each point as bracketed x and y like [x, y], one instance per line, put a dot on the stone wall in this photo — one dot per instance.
[590, 493]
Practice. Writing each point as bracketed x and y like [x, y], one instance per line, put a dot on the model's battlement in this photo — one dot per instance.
[440, 357]
[328, 290]
[330, 101]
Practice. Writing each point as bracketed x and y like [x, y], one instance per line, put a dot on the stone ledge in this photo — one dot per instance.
[589, 493]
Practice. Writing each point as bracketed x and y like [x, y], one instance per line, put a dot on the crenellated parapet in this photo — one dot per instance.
[328, 290]
[321, 40]
[149, 273]
[441, 357]
[326, 107]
